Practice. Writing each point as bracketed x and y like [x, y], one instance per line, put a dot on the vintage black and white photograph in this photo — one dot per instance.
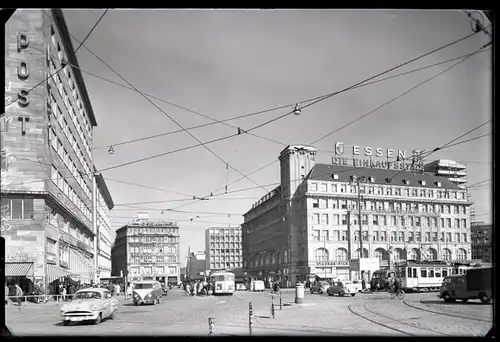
[247, 172]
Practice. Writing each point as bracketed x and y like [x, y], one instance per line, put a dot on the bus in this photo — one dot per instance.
[379, 277]
[223, 282]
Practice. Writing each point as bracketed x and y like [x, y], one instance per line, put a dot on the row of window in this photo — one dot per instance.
[226, 251]
[225, 259]
[225, 231]
[66, 129]
[70, 80]
[225, 245]
[219, 265]
[324, 203]
[395, 221]
[17, 209]
[153, 250]
[151, 259]
[225, 237]
[67, 190]
[167, 239]
[58, 146]
[381, 236]
[149, 270]
[387, 190]
[156, 230]
[269, 258]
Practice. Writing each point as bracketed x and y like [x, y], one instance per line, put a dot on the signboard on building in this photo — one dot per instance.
[332, 263]
[51, 258]
[359, 156]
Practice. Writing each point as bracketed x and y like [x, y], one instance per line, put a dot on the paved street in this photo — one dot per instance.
[178, 314]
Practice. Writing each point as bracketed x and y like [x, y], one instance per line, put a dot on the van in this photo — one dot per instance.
[257, 286]
[475, 284]
[146, 292]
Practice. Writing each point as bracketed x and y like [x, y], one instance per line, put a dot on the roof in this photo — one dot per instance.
[324, 172]
[70, 52]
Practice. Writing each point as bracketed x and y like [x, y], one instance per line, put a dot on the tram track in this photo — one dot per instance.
[444, 314]
[401, 322]
[378, 323]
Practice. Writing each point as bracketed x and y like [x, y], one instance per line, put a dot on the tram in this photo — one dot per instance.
[428, 275]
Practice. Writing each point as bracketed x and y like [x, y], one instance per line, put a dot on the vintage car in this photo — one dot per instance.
[320, 287]
[91, 304]
[342, 288]
[147, 292]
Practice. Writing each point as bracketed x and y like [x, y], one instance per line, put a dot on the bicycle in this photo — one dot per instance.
[399, 293]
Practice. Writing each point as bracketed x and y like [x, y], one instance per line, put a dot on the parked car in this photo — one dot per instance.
[343, 288]
[91, 304]
[257, 286]
[320, 287]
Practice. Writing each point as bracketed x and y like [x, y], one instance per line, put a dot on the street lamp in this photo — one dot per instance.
[357, 180]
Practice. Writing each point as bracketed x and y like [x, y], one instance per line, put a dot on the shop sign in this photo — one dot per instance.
[18, 257]
[332, 263]
[51, 258]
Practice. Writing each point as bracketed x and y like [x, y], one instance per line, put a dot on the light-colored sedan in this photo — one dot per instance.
[343, 288]
[320, 287]
[91, 304]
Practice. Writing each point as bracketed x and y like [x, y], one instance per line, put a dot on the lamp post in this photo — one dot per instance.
[357, 180]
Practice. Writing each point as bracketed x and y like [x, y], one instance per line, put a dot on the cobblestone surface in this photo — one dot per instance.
[179, 314]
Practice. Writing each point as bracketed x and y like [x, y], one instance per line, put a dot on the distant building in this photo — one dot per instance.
[482, 241]
[145, 249]
[454, 171]
[223, 248]
[196, 266]
[309, 225]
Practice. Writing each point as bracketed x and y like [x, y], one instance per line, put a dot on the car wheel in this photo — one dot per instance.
[312, 291]
[353, 294]
[330, 294]
[341, 293]
[485, 299]
[135, 303]
[66, 323]
[98, 320]
[465, 300]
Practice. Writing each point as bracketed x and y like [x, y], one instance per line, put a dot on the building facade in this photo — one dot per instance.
[146, 249]
[223, 247]
[196, 266]
[482, 241]
[455, 172]
[46, 161]
[104, 205]
[310, 226]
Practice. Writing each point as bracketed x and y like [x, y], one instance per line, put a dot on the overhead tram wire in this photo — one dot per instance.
[223, 121]
[373, 111]
[478, 183]
[319, 97]
[170, 117]
[66, 62]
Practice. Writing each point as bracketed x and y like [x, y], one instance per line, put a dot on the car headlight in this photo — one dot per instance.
[93, 308]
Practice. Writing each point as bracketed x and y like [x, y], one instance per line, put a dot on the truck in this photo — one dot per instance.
[475, 284]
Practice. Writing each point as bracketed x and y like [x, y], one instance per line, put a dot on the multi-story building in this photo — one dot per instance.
[223, 248]
[309, 225]
[455, 172]
[482, 241]
[104, 204]
[46, 165]
[196, 266]
[146, 249]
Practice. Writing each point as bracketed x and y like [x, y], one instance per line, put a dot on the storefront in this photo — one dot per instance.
[20, 273]
[330, 270]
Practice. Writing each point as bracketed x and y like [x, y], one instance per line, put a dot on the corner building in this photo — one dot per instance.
[309, 225]
[147, 250]
[47, 164]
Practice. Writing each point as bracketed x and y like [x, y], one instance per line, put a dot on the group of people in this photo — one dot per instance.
[198, 287]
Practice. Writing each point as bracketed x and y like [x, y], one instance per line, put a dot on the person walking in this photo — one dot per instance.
[19, 294]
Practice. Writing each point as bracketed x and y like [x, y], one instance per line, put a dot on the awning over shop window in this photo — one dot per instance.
[19, 269]
[56, 272]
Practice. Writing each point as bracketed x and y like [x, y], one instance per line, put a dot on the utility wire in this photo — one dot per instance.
[247, 114]
[376, 109]
[170, 117]
[64, 64]
[478, 183]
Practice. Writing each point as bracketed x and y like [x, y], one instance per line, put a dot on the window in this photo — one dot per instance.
[324, 187]
[343, 188]
[364, 219]
[375, 220]
[315, 218]
[324, 218]
[315, 202]
[423, 273]
[417, 221]
[17, 209]
[335, 220]
[344, 220]
[314, 186]
[323, 203]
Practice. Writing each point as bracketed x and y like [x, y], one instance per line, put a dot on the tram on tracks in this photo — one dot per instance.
[428, 275]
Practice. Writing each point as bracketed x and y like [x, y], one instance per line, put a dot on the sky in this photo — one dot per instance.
[226, 63]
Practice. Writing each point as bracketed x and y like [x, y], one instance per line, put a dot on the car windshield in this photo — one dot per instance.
[88, 295]
[142, 286]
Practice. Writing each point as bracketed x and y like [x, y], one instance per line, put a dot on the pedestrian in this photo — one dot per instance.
[63, 293]
[7, 290]
[19, 294]
[71, 291]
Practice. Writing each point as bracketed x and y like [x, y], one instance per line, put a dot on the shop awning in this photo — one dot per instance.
[19, 269]
[56, 272]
